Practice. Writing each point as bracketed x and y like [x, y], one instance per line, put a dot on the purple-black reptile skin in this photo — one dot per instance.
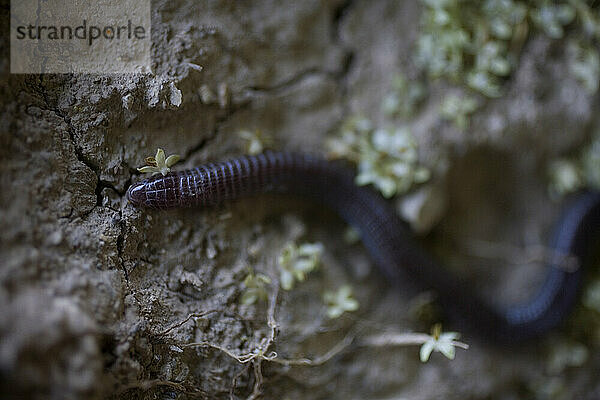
[386, 237]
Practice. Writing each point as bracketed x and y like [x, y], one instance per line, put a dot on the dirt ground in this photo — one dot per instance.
[98, 299]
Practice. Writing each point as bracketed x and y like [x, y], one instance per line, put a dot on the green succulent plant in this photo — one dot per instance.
[340, 301]
[297, 261]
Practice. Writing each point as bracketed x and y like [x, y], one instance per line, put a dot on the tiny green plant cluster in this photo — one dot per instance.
[458, 109]
[387, 158]
[254, 142]
[340, 301]
[476, 43]
[403, 98]
[578, 347]
[255, 288]
[584, 64]
[591, 296]
[295, 261]
[565, 353]
[570, 175]
[589, 314]
[468, 41]
[551, 17]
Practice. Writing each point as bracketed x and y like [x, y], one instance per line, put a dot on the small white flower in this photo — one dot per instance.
[159, 164]
[444, 343]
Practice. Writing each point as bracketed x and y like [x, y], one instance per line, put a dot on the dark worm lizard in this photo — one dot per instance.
[386, 237]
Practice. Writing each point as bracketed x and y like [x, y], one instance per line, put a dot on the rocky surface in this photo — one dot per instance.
[98, 299]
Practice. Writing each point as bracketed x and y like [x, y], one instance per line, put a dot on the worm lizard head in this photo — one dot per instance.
[136, 194]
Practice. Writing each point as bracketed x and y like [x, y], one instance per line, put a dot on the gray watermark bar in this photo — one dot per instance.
[84, 36]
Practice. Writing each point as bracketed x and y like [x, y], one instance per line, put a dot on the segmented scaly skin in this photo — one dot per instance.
[385, 236]
[217, 182]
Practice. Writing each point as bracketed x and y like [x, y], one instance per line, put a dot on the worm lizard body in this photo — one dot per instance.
[386, 237]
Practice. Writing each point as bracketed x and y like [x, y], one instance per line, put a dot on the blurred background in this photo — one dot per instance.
[475, 118]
